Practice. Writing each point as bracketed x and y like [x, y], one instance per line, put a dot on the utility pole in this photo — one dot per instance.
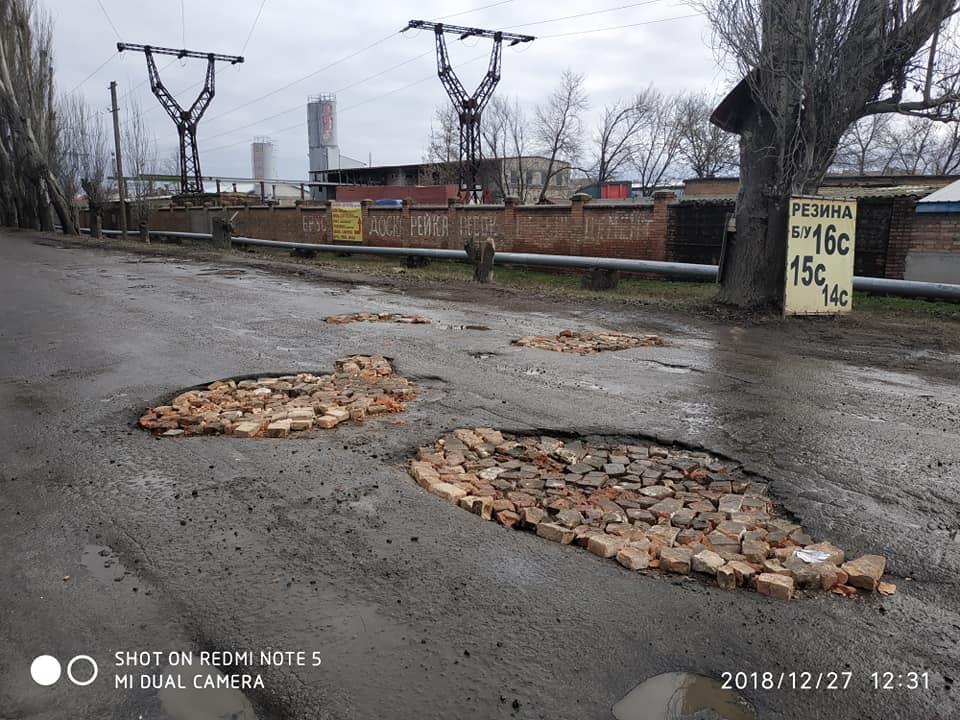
[121, 184]
[191, 181]
[469, 107]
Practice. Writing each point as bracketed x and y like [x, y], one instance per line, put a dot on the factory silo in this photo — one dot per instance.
[264, 159]
[322, 136]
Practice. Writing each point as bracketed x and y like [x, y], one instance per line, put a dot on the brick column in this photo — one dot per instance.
[578, 225]
[508, 229]
[662, 199]
[405, 223]
[453, 214]
[298, 204]
[364, 212]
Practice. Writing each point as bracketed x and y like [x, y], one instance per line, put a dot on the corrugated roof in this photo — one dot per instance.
[858, 193]
[950, 193]
[879, 192]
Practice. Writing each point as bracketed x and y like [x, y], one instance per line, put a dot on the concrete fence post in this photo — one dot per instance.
[222, 232]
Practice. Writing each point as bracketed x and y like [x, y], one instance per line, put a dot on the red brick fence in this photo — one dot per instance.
[893, 241]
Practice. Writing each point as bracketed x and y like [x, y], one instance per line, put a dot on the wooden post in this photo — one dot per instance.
[121, 184]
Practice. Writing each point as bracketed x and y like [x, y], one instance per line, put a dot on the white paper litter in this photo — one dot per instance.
[812, 556]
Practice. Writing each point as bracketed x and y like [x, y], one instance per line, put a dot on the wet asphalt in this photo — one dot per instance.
[418, 609]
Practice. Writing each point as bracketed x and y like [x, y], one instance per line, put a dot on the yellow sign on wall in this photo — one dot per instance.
[820, 239]
[347, 222]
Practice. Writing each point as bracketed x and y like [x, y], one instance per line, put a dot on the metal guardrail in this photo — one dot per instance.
[685, 271]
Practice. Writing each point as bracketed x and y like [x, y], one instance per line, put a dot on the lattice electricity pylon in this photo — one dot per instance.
[469, 107]
[191, 182]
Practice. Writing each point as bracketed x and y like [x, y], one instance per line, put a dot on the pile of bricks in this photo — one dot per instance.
[588, 342]
[646, 506]
[361, 386]
[377, 317]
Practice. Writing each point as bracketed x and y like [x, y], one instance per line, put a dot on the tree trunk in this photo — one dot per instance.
[754, 262]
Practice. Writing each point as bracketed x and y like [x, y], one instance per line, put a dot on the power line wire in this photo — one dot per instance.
[299, 106]
[467, 12]
[144, 82]
[337, 62]
[107, 16]
[619, 27]
[585, 14]
[99, 68]
[307, 76]
[281, 131]
[252, 27]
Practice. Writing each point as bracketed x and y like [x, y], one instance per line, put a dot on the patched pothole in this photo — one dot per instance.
[401, 318]
[360, 386]
[650, 507]
[585, 343]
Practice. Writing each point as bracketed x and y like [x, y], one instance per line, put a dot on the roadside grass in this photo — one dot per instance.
[566, 284]
[671, 293]
[885, 305]
[668, 294]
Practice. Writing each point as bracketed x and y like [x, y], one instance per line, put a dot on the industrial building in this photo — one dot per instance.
[501, 177]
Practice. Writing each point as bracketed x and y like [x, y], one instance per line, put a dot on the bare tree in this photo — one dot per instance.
[707, 150]
[614, 143]
[657, 139]
[505, 145]
[865, 146]
[83, 157]
[28, 119]
[948, 150]
[887, 144]
[558, 126]
[443, 146]
[141, 159]
[811, 68]
[912, 146]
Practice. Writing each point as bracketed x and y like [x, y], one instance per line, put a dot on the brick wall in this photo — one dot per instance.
[902, 221]
[934, 252]
[581, 228]
[935, 232]
[646, 231]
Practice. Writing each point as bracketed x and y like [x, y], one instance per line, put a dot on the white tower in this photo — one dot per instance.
[264, 160]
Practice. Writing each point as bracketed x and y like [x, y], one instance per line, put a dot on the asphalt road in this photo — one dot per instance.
[417, 609]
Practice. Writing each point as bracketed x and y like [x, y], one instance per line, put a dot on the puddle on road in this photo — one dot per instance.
[668, 368]
[682, 696]
[102, 563]
[445, 326]
[223, 272]
[196, 703]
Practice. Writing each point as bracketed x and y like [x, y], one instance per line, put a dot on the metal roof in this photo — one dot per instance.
[853, 192]
[950, 193]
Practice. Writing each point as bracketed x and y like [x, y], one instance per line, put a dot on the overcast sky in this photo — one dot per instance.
[388, 92]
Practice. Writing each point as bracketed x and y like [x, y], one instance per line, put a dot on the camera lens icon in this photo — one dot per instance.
[46, 670]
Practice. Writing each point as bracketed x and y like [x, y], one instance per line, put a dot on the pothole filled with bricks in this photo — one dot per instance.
[397, 318]
[586, 343]
[361, 386]
[651, 508]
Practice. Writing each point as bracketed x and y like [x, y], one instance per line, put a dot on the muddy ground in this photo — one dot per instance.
[418, 609]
